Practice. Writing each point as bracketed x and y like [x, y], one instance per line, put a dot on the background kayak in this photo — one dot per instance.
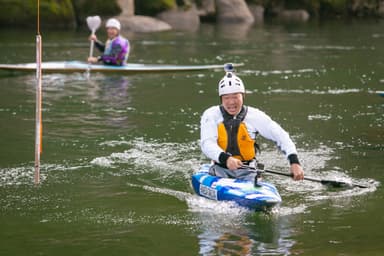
[78, 66]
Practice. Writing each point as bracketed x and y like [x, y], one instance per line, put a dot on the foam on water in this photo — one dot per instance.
[283, 72]
[319, 117]
[108, 218]
[24, 175]
[152, 156]
[17, 176]
[167, 161]
[327, 47]
[311, 91]
[199, 204]
[149, 156]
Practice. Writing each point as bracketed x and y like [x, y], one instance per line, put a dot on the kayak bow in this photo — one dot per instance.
[243, 192]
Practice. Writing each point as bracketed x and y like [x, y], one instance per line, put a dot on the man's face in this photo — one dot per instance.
[232, 103]
[112, 32]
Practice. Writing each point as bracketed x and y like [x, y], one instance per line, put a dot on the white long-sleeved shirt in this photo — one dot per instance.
[256, 121]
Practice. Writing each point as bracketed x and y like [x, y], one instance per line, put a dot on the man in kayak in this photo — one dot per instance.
[228, 131]
[116, 49]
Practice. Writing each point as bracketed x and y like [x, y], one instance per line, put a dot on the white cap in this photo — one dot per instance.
[230, 83]
[113, 23]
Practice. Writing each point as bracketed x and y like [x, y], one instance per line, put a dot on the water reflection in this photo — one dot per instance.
[225, 244]
[99, 100]
[238, 232]
[111, 89]
[234, 31]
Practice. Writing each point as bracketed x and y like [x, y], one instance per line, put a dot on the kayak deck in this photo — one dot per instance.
[243, 192]
[78, 66]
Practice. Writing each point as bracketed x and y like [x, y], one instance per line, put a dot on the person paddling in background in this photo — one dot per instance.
[116, 49]
[228, 132]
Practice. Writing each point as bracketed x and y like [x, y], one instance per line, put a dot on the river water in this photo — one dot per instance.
[119, 150]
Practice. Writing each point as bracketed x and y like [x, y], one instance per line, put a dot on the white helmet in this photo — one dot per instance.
[113, 23]
[230, 83]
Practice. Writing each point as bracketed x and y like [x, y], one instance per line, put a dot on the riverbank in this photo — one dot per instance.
[160, 15]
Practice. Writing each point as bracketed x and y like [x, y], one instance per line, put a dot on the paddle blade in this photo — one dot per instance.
[339, 184]
[93, 22]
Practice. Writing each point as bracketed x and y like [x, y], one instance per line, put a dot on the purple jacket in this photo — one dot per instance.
[115, 51]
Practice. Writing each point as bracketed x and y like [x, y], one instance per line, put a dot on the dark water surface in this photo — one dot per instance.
[119, 150]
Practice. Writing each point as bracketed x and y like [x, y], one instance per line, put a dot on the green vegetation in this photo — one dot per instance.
[24, 12]
[334, 7]
[85, 8]
[152, 7]
[54, 13]
[72, 13]
[323, 8]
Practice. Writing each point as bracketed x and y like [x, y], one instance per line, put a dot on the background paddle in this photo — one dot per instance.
[333, 183]
[93, 24]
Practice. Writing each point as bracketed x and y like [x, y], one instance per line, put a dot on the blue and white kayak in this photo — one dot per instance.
[78, 66]
[243, 192]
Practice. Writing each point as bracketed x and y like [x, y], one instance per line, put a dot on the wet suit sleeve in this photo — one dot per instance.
[100, 46]
[293, 159]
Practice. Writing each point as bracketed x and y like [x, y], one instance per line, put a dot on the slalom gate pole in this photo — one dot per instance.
[39, 125]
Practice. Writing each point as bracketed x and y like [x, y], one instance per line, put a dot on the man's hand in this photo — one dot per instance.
[92, 60]
[92, 38]
[234, 163]
[297, 172]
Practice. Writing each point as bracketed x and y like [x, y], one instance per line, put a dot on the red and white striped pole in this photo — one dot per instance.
[39, 124]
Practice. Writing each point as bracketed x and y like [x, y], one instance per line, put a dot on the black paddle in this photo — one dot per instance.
[333, 183]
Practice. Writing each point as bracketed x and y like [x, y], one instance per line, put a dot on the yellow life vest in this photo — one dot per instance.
[234, 138]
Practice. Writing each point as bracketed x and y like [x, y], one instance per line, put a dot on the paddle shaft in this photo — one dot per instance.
[291, 175]
[93, 24]
[92, 44]
[334, 183]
